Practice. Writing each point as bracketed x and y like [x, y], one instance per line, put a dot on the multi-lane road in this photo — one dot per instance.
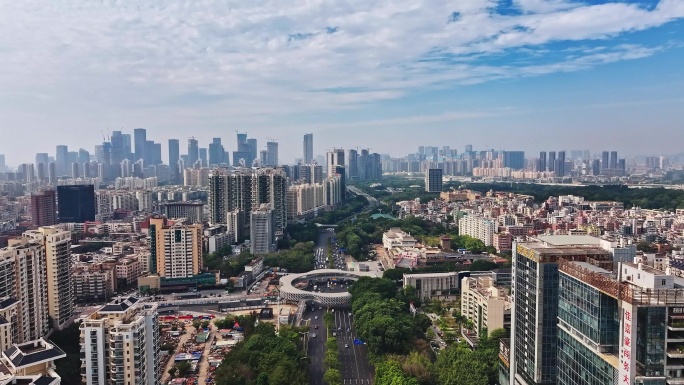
[354, 364]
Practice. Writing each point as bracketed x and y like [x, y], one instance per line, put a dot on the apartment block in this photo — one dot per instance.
[262, 234]
[120, 344]
[478, 227]
[176, 249]
[57, 246]
[485, 305]
[30, 363]
[93, 283]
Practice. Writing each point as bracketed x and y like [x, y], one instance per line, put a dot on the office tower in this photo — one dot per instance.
[551, 162]
[44, 208]
[308, 148]
[177, 249]
[57, 248]
[622, 166]
[262, 234]
[241, 140]
[560, 164]
[61, 158]
[157, 154]
[140, 144]
[174, 152]
[30, 173]
[468, 148]
[252, 145]
[542, 161]
[433, 180]
[353, 169]
[83, 156]
[120, 344]
[204, 157]
[216, 152]
[75, 171]
[40, 171]
[514, 159]
[3, 166]
[595, 167]
[334, 158]
[127, 149]
[193, 152]
[263, 158]
[52, 173]
[613, 160]
[76, 203]
[342, 174]
[535, 291]
[41, 157]
[376, 166]
[23, 278]
[272, 154]
[605, 160]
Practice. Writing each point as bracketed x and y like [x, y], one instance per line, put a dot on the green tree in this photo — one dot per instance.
[332, 377]
[183, 368]
[389, 373]
[483, 265]
[420, 367]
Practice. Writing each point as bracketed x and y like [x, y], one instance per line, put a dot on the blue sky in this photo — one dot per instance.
[388, 74]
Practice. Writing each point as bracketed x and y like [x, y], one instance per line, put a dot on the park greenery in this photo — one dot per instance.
[647, 198]
[264, 358]
[298, 259]
[397, 341]
[365, 231]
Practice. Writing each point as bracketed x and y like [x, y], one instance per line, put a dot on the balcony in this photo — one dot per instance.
[676, 323]
[676, 352]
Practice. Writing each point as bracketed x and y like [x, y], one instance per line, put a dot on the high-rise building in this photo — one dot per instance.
[193, 212]
[44, 208]
[57, 246]
[334, 158]
[308, 148]
[252, 146]
[3, 165]
[245, 190]
[52, 173]
[481, 228]
[514, 159]
[174, 153]
[535, 291]
[262, 234]
[216, 152]
[551, 164]
[605, 160]
[83, 156]
[61, 158]
[433, 180]
[120, 344]
[42, 158]
[560, 164]
[193, 152]
[76, 203]
[204, 156]
[542, 162]
[177, 249]
[271, 154]
[140, 145]
[353, 169]
[613, 160]
[23, 278]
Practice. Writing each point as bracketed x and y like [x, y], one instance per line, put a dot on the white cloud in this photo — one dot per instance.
[266, 56]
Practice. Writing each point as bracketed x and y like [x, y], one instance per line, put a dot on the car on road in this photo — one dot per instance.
[315, 326]
[346, 345]
[315, 317]
[313, 335]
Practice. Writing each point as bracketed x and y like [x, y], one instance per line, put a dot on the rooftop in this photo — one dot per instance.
[119, 305]
[32, 353]
[569, 240]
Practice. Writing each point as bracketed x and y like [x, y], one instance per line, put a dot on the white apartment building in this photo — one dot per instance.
[432, 285]
[262, 232]
[484, 304]
[478, 227]
[396, 237]
[120, 344]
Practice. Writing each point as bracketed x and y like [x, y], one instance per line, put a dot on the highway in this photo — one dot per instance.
[354, 363]
[372, 201]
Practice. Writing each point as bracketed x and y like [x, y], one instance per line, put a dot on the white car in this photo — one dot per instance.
[346, 345]
[315, 317]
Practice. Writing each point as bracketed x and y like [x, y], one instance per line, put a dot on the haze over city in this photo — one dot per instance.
[363, 74]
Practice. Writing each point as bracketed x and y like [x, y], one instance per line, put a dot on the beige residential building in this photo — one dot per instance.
[120, 344]
[128, 269]
[93, 283]
[23, 278]
[57, 245]
[9, 328]
[484, 304]
[176, 249]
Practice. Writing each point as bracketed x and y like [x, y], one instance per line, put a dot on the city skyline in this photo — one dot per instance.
[525, 71]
